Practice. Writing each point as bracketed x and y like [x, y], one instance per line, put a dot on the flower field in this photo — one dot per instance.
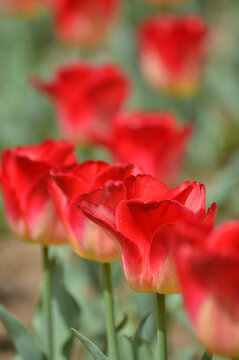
[119, 180]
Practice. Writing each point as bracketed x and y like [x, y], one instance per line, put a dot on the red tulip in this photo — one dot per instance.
[139, 224]
[20, 6]
[86, 97]
[173, 52]
[208, 269]
[67, 185]
[84, 22]
[24, 175]
[153, 141]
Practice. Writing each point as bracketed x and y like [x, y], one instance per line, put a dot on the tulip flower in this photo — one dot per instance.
[172, 53]
[208, 270]
[24, 7]
[89, 240]
[139, 224]
[66, 187]
[153, 141]
[86, 97]
[84, 22]
[24, 175]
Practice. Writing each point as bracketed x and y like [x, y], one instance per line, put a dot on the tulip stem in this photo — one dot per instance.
[161, 327]
[47, 302]
[109, 314]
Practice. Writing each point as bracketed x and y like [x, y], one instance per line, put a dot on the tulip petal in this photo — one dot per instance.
[115, 173]
[42, 223]
[138, 221]
[145, 188]
[100, 205]
[161, 260]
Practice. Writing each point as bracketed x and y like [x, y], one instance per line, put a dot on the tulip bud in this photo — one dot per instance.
[85, 22]
[172, 53]
[24, 176]
[208, 270]
[86, 97]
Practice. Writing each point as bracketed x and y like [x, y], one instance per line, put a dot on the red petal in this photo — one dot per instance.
[196, 201]
[42, 221]
[139, 221]
[115, 173]
[145, 188]
[100, 205]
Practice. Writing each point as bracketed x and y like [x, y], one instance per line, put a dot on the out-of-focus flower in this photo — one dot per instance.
[24, 176]
[67, 185]
[172, 53]
[84, 22]
[24, 7]
[153, 141]
[139, 223]
[86, 97]
[208, 270]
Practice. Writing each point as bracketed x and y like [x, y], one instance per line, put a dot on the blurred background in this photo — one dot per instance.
[28, 47]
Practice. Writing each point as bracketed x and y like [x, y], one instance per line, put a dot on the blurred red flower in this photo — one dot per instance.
[172, 52]
[139, 223]
[24, 176]
[208, 270]
[153, 141]
[84, 22]
[87, 97]
[20, 6]
[67, 185]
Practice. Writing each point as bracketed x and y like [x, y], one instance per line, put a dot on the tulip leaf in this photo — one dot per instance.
[23, 340]
[139, 346]
[207, 356]
[90, 346]
[66, 312]
[122, 323]
[137, 338]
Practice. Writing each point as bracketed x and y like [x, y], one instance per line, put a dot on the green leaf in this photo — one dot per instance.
[206, 356]
[140, 347]
[66, 312]
[24, 341]
[122, 323]
[137, 338]
[90, 346]
[67, 348]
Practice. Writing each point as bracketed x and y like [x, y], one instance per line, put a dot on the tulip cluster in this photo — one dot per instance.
[164, 237]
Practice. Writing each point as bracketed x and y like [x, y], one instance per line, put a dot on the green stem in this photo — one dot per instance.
[47, 302]
[109, 314]
[206, 356]
[161, 327]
